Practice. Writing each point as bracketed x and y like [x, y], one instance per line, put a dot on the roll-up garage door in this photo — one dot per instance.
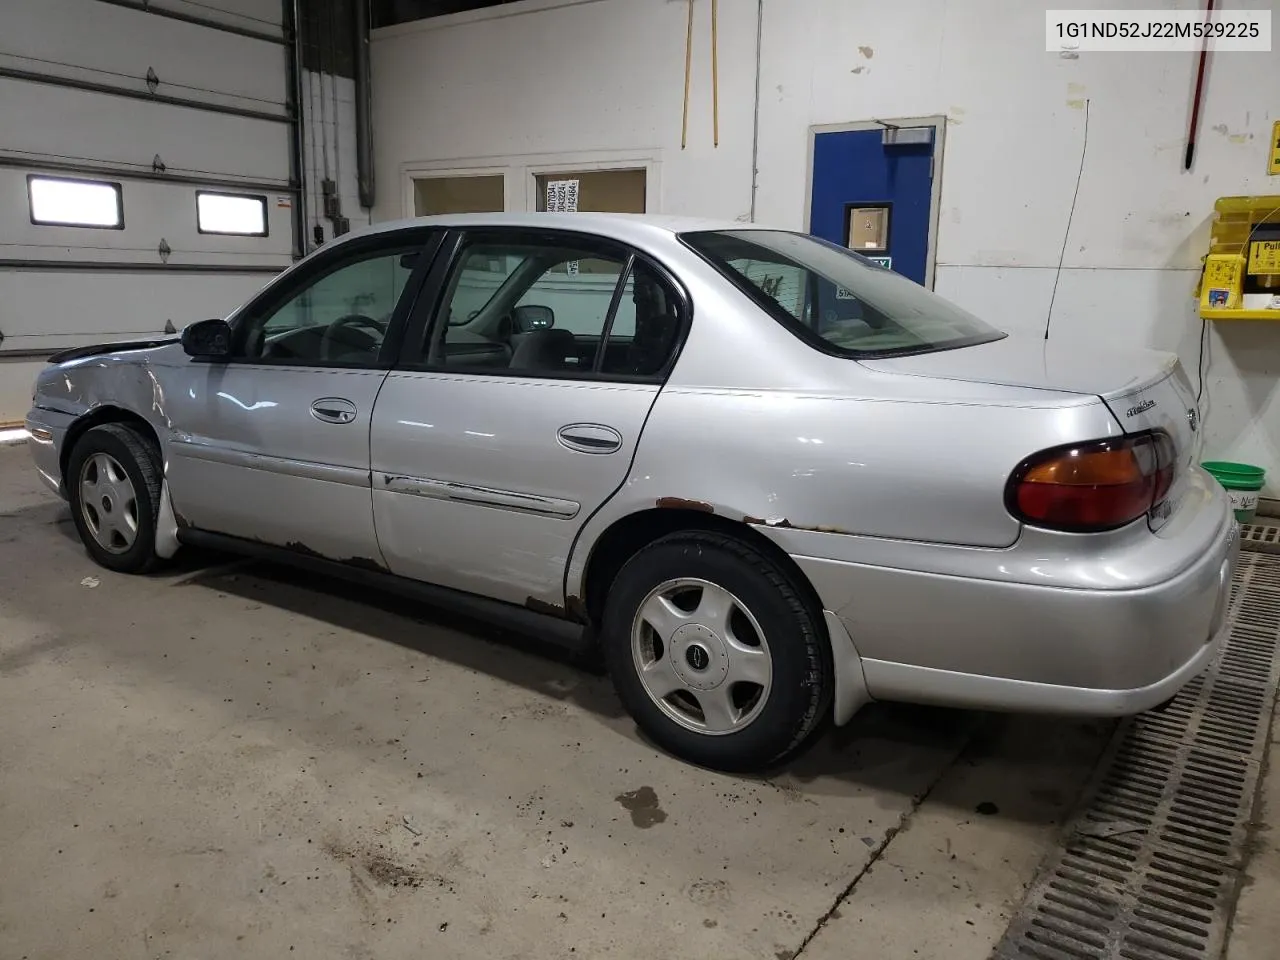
[146, 169]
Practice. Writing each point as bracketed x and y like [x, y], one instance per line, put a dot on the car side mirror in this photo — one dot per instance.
[531, 317]
[207, 340]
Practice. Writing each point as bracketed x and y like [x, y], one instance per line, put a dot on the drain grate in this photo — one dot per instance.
[1152, 860]
[1260, 536]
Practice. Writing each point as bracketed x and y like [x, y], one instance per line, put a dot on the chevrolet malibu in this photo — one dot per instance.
[771, 480]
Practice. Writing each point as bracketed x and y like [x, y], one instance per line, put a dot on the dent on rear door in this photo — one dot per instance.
[473, 488]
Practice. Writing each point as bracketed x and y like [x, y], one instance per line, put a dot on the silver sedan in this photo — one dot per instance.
[771, 480]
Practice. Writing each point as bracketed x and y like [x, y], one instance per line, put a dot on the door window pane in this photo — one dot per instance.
[646, 327]
[544, 309]
[868, 229]
[339, 318]
[531, 308]
[592, 191]
[471, 194]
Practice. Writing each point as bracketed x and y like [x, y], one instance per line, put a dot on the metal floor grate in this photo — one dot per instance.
[1260, 536]
[1152, 860]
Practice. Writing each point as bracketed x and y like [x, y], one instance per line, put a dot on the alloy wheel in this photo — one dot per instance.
[108, 503]
[701, 656]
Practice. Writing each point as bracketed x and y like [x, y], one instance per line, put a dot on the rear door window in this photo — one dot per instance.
[554, 305]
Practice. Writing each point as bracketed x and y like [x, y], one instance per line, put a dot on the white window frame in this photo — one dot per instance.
[437, 172]
[520, 174]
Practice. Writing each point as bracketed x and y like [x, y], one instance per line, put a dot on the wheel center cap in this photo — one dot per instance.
[698, 656]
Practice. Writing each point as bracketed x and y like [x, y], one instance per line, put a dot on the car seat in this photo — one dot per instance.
[657, 326]
[548, 349]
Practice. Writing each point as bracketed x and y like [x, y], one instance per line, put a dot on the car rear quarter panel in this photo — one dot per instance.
[758, 427]
[922, 470]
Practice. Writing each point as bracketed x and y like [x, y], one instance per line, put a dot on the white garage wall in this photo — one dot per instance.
[583, 76]
[66, 286]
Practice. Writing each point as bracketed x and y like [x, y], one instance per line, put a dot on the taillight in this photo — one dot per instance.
[1100, 485]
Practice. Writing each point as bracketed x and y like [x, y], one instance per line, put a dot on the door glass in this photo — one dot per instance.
[868, 229]
[532, 308]
[646, 327]
[471, 194]
[339, 318]
[592, 191]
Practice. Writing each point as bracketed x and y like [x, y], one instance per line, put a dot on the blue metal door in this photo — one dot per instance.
[872, 191]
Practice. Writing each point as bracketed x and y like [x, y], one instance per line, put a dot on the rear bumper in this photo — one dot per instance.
[912, 684]
[48, 429]
[993, 644]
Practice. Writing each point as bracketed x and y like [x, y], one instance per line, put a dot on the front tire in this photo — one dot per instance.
[716, 653]
[113, 483]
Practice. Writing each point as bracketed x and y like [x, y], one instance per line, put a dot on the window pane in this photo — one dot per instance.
[340, 318]
[482, 271]
[436, 195]
[231, 213]
[868, 229]
[578, 292]
[533, 308]
[646, 327]
[592, 191]
[838, 300]
[75, 203]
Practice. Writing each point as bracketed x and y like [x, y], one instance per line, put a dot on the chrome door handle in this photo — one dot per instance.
[590, 438]
[333, 410]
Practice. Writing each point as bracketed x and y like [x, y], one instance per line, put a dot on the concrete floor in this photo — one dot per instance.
[1255, 928]
[234, 760]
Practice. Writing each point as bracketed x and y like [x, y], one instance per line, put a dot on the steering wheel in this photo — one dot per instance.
[347, 336]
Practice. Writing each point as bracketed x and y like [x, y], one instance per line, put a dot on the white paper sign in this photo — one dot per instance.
[562, 196]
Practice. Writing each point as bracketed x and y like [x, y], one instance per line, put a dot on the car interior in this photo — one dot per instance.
[506, 334]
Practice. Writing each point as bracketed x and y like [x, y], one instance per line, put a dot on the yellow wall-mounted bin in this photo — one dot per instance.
[1241, 277]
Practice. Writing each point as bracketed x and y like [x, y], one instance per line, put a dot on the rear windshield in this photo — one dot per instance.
[838, 301]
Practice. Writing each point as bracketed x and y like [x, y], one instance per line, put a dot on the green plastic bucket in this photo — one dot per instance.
[1242, 482]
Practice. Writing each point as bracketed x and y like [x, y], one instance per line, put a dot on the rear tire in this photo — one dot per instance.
[716, 653]
[113, 483]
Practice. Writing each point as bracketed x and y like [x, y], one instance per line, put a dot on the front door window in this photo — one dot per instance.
[341, 318]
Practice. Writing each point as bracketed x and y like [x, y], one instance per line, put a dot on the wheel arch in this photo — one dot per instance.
[104, 413]
[629, 534]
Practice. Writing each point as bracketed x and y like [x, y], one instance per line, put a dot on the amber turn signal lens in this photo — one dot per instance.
[1093, 486]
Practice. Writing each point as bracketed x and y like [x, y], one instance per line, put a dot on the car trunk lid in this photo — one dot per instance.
[1162, 403]
[1143, 389]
